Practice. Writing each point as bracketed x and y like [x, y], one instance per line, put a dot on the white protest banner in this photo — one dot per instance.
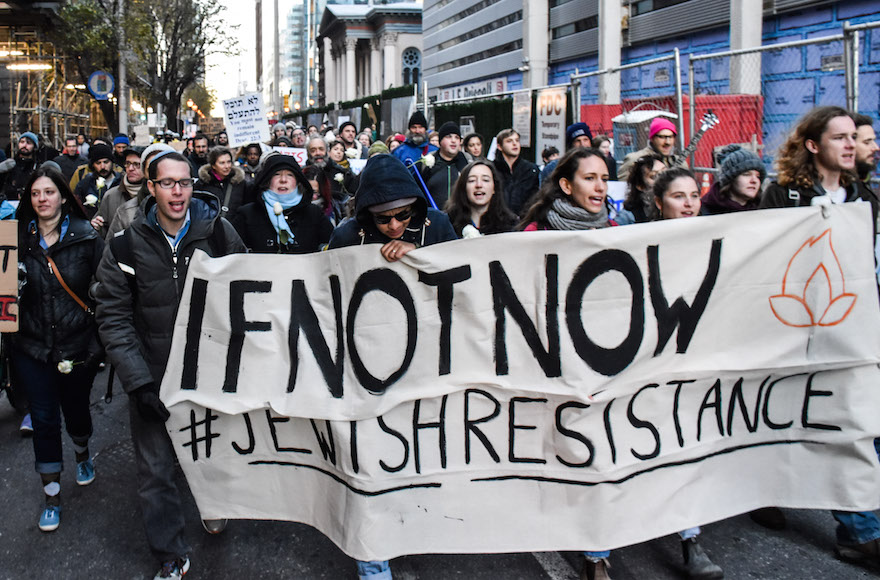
[535, 391]
[550, 121]
[297, 153]
[522, 117]
[9, 276]
[246, 120]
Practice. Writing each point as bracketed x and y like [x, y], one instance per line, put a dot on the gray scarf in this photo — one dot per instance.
[563, 215]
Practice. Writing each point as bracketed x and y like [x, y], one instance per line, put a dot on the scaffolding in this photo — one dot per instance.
[39, 96]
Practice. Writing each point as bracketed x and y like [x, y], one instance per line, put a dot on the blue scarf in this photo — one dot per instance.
[287, 201]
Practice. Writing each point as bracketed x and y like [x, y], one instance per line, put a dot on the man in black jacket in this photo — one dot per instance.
[199, 156]
[518, 176]
[70, 158]
[141, 279]
[24, 164]
[448, 163]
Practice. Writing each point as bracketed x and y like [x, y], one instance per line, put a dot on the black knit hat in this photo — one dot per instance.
[418, 118]
[449, 128]
[276, 162]
[736, 160]
[100, 151]
[344, 125]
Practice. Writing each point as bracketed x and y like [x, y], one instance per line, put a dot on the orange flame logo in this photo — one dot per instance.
[820, 301]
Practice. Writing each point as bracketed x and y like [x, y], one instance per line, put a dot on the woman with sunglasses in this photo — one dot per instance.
[55, 353]
[284, 220]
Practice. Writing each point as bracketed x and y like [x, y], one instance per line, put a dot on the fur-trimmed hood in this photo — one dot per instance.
[206, 175]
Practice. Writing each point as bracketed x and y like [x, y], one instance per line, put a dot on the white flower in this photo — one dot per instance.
[329, 137]
[101, 182]
[277, 208]
[65, 366]
[469, 231]
[90, 200]
[338, 178]
[428, 160]
[352, 153]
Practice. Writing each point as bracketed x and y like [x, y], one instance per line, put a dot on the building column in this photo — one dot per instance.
[746, 26]
[536, 42]
[340, 74]
[329, 72]
[375, 67]
[389, 49]
[350, 80]
[610, 41]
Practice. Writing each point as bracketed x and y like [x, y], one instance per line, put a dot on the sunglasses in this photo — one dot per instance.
[400, 217]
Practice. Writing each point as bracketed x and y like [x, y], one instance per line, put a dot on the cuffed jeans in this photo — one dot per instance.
[50, 394]
[684, 535]
[374, 570]
[857, 527]
[158, 495]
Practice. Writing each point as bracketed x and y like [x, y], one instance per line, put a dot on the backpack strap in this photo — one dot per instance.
[794, 196]
[120, 245]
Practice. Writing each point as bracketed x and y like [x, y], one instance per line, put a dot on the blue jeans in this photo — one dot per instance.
[684, 535]
[50, 394]
[158, 495]
[374, 570]
[857, 527]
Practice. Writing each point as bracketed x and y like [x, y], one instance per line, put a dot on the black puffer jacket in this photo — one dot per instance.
[519, 185]
[52, 326]
[137, 330]
[311, 228]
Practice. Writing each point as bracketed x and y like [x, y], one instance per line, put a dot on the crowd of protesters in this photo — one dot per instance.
[106, 231]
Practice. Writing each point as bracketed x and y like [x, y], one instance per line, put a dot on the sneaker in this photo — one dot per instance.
[214, 526]
[597, 570]
[50, 518]
[174, 569]
[697, 564]
[85, 472]
[869, 552]
[26, 428]
[771, 518]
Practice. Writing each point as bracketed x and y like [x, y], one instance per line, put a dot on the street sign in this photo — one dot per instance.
[101, 84]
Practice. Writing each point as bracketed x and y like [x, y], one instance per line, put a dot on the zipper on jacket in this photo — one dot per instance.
[174, 267]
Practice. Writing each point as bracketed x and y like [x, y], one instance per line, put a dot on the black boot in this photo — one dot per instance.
[697, 563]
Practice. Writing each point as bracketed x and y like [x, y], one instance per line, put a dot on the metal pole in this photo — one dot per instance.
[855, 72]
[575, 97]
[692, 104]
[122, 97]
[848, 63]
[678, 99]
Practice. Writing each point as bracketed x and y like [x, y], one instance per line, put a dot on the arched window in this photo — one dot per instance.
[412, 63]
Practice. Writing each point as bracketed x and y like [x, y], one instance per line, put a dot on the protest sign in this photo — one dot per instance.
[9, 276]
[550, 120]
[297, 153]
[522, 117]
[246, 120]
[535, 391]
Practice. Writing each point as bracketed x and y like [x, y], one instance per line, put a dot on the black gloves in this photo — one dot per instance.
[149, 407]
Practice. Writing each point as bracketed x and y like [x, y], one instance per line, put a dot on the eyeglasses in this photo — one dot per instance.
[135, 164]
[169, 183]
[400, 217]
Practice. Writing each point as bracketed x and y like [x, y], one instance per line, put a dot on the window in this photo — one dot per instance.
[645, 6]
[412, 62]
[495, 51]
[575, 27]
[509, 19]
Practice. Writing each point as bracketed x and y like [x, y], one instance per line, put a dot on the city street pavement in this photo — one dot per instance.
[101, 535]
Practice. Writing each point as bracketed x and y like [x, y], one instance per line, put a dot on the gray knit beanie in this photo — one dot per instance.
[736, 160]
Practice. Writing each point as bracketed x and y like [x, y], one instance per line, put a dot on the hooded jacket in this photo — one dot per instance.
[235, 182]
[53, 327]
[441, 177]
[311, 228]
[137, 329]
[385, 179]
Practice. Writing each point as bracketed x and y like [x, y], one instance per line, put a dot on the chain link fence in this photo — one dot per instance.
[758, 94]
[647, 89]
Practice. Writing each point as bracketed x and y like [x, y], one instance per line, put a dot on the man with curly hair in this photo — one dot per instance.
[819, 159]
[817, 164]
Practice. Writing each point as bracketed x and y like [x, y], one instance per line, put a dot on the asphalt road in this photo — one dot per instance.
[101, 535]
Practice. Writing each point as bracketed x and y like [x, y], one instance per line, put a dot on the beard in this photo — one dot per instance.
[865, 168]
[416, 138]
[319, 162]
